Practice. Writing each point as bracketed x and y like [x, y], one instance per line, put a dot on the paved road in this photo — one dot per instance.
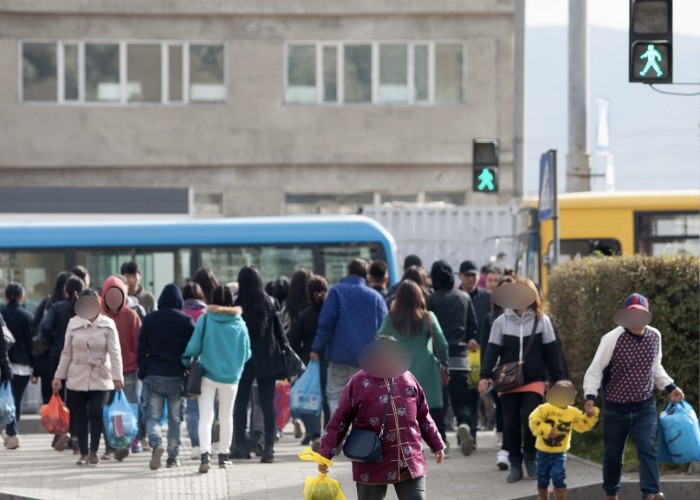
[37, 471]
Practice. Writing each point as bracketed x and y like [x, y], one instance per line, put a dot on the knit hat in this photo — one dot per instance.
[441, 275]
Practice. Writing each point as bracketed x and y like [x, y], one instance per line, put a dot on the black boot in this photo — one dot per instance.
[223, 460]
[530, 465]
[268, 455]
[241, 451]
[258, 442]
[516, 470]
[204, 466]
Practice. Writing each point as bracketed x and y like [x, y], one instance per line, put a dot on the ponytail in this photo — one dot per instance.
[14, 292]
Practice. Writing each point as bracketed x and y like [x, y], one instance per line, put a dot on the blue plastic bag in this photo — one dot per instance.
[120, 420]
[305, 397]
[679, 434]
[7, 404]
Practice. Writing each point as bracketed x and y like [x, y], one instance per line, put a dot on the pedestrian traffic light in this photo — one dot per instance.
[485, 165]
[651, 41]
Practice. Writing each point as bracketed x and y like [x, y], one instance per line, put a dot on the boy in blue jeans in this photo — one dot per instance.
[552, 423]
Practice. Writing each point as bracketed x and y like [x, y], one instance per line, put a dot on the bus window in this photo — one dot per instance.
[35, 270]
[334, 259]
[527, 260]
[667, 233]
[569, 249]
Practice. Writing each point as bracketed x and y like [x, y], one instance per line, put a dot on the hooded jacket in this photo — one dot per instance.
[504, 342]
[127, 321]
[455, 313]
[164, 336]
[55, 323]
[220, 339]
[194, 308]
[19, 321]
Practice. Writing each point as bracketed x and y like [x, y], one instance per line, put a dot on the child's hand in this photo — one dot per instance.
[439, 456]
[589, 408]
[553, 433]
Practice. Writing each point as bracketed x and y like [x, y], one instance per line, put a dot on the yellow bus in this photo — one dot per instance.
[610, 223]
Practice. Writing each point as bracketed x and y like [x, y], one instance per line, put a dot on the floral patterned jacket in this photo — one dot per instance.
[362, 405]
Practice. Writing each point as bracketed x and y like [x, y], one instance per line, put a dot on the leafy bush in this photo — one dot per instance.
[583, 297]
[585, 293]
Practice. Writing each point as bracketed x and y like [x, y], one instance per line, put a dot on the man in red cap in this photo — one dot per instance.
[627, 365]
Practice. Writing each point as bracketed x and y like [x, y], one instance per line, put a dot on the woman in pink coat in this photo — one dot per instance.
[363, 404]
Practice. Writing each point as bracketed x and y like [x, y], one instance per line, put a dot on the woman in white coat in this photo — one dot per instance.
[91, 365]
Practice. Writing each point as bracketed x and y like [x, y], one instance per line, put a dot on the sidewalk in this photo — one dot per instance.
[37, 471]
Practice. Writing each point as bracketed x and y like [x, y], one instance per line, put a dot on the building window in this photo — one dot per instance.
[207, 73]
[374, 73]
[39, 77]
[70, 72]
[208, 204]
[301, 74]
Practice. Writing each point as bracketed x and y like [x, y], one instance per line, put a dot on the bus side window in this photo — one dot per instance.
[570, 249]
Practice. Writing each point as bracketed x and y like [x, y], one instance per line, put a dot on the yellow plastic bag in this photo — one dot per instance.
[475, 365]
[320, 487]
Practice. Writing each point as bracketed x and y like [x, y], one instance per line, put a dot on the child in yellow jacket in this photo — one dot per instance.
[552, 423]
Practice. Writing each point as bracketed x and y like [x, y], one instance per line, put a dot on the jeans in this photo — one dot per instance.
[192, 418]
[86, 414]
[517, 407]
[411, 489]
[266, 392]
[338, 376]
[312, 425]
[18, 384]
[617, 425]
[227, 394]
[156, 390]
[551, 466]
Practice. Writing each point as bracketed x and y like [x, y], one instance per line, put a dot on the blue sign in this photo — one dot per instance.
[545, 209]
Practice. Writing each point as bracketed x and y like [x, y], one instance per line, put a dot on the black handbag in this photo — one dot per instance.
[193, 376]
[293, 365]
[365, 445]
[509, 376]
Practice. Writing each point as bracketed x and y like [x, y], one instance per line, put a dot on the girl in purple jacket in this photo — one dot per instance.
[362, 405]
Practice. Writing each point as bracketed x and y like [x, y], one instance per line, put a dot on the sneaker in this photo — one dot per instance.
[224, 461]
[502, 460]
[298, 429]
[204, 466]
[136, 446]
[92, 459]
[108, 456]
[655, 496]
[316, 444]
[156, 454]
[465, 441]
[5, 438]
[83, 460]
[240, 452]
[12, 443]
[306, 441]
[54, 441]
[62, 442]
[121, 454]
[268, 456]
[76, 447]
[498, 442]
[196, 454]
[172, 463]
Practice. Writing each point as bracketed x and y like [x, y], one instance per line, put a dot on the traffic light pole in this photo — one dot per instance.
[555, 211]
[518, 99]
[578, 169]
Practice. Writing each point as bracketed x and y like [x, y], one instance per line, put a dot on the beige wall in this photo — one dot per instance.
[254, 143]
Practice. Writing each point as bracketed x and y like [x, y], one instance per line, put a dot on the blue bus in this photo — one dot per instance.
[170, 251]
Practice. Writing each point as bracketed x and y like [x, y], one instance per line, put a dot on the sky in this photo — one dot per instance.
[610, 14]
[676, 120]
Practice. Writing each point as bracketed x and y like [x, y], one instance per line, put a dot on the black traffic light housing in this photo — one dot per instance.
[651, 41]
[485, 165]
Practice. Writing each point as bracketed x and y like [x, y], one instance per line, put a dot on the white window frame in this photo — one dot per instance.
[123, 72]
[340, 69]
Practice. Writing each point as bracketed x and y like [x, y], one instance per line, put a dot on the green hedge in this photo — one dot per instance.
[585, 293]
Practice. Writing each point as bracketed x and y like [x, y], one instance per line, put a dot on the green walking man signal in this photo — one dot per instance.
[652, 56]
[486, 179]
[485, 165]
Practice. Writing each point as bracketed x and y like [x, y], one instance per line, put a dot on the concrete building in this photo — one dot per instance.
[259, 106]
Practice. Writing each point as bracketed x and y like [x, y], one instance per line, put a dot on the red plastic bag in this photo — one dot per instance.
[282, 411]
[55, 417]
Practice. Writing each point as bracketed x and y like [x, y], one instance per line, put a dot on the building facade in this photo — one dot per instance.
[258, 106]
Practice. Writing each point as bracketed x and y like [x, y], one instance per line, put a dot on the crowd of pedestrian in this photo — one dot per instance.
[89, 345]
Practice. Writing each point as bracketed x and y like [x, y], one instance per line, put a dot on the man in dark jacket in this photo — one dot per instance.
[163, 338]
[455, 313]
[481, 298]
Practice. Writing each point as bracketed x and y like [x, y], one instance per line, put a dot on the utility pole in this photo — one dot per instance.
[518, 98]
[578, 169]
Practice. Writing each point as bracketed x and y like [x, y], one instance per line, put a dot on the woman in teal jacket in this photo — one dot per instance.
[409, 322]
[220, 339]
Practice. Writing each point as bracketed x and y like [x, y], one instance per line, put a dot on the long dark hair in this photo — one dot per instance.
[297, 299]
[408, 309]
[61, 279]
[418, 276]
[316, 290]
[256, 304]
[206, 279]
[73, 288]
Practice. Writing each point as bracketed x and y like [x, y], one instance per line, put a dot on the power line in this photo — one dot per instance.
[682, 94]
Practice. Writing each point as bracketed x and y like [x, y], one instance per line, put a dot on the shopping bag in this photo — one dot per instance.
[679, 434]
[120, 421]
[305, 396]
[320, 487]
[55, 417]
[7, 404]
[282, 411]
[474, 367]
